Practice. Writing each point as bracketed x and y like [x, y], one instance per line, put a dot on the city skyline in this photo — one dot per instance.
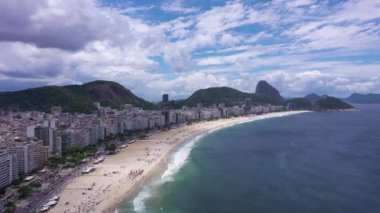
[177, 47]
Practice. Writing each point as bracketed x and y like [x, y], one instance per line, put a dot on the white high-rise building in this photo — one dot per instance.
[7, 171]
[30, 156]
[30, 131]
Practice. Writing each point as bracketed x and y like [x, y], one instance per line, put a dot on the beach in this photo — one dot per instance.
[125, 172]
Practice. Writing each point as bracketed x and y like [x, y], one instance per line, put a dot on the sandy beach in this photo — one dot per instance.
[125, 172]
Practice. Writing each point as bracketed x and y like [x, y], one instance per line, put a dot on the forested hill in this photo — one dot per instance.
[73, 98]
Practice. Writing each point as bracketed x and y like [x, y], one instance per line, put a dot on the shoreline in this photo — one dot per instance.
[123, 174]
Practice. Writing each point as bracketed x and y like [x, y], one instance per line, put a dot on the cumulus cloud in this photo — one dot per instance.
[298, 45]
[61, 42]
[68, 25]
[301, 83]
[183, 85]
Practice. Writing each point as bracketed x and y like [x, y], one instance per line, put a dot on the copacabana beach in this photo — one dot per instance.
[124, 173]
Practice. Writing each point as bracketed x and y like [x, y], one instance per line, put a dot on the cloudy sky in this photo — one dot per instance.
[179, 46]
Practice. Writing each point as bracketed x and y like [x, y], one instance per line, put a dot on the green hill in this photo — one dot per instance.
[300, 103]
[73, 98]
[331, 103]
[312, 97]
[226, 95]
[215, 95]
[321, 104]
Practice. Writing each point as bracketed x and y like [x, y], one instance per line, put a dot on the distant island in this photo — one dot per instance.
[370, 98]
[80, 98]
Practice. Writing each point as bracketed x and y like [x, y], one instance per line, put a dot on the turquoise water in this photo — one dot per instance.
[311, 162]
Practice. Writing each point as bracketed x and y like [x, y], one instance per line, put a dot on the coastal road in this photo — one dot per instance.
[54, 188]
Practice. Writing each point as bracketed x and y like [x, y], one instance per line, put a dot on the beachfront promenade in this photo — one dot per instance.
[123, 173]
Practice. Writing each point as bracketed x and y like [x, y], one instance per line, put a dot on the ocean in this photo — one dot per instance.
[309, 162]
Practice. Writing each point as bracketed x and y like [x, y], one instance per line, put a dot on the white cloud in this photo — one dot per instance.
[177, 6]
[53, 23]
[293, 84]
[299, 3]
[183, 85]
[294, 44]
[229, 40]
[357, 10]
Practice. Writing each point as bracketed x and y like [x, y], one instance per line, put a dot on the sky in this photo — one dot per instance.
[178, 46]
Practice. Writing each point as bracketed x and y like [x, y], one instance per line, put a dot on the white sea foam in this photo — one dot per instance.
[179, 159]
[138, 202]
[176, 161]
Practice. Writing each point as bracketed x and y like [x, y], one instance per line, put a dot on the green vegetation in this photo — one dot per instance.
[226, 95]
[331, 103]
[35, 184]
[16, 182]
[73, 98]
[24, 191]
[110, 147]
[57, 160]
[80, 98]
[312, 97]
[91, 150]
[73, 155]
[232, 97]
[216, 95]
[9, 207]
[300, 103]
[76, 159]
[323, 103]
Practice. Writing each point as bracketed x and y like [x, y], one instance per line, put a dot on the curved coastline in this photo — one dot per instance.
[168, 173]
[122, 175]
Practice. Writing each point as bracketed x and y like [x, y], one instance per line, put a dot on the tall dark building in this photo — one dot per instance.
[166, 114]
[42, 133]
[248, 102]
[165, 98]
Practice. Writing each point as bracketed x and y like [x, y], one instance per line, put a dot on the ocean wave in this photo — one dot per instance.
[176, 161]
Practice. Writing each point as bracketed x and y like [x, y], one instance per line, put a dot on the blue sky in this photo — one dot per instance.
[176, 47]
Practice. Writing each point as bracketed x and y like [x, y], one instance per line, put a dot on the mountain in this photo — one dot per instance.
[215, 95]
[226, 95]
[265, 89]
[323, 103]
[300, 103]
[312, 97]
[331, 103]
[73, 98]
[364, 98]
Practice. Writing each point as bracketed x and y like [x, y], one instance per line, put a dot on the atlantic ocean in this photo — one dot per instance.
[309, 162]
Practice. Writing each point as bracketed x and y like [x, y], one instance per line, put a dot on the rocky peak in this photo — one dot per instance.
[265, 89]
